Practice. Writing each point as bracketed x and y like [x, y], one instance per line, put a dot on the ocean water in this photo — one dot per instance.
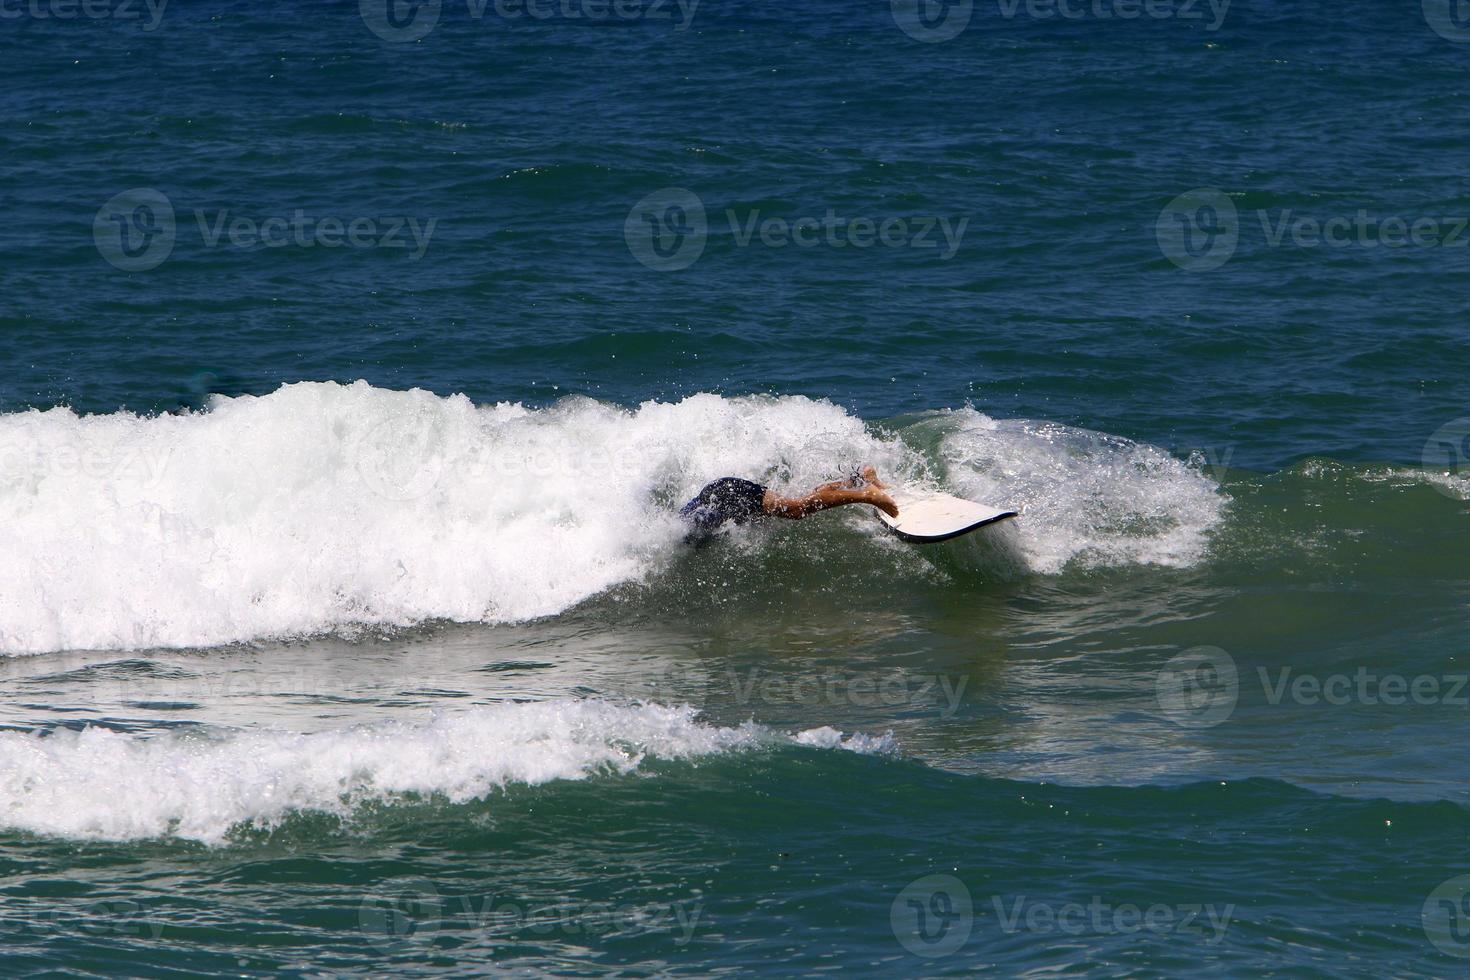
[357, 358]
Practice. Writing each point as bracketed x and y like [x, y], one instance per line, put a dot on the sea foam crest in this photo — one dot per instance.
[321, 505]
[1085, 496]
[100, 784]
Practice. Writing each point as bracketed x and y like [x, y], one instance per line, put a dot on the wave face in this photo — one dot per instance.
[322, 505]
[100, 784]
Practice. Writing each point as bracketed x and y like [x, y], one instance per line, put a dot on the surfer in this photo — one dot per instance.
[737, 501]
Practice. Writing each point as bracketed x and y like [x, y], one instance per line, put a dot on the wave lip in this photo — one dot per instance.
[102, 785]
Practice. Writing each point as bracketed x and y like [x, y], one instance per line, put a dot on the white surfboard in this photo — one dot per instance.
[925, 518]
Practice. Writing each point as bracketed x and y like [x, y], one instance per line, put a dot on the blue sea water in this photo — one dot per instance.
[357, 356]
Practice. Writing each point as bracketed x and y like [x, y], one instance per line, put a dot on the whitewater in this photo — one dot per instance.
[204, 785]
[321, 506]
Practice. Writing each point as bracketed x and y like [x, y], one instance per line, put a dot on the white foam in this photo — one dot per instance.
[1084, 496]
[1454, 485]
[324, 504]
[321, 505]
[100, 784]
[828, 737]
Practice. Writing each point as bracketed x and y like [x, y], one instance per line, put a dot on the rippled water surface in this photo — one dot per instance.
[358, 359]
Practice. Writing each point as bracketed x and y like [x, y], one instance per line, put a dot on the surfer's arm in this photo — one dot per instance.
[824, 497]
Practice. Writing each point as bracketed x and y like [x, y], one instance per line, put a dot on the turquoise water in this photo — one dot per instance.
[356, 365]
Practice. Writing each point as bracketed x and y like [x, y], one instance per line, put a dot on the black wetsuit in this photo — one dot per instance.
[730, 499]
